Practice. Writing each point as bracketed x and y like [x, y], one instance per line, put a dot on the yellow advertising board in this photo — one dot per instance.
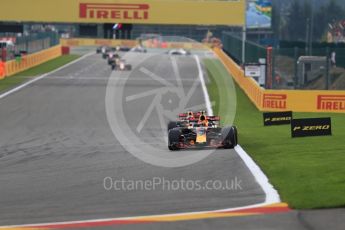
[304, 101]
[192, 12]
[284, 100]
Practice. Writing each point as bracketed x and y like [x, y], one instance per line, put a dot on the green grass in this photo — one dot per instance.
[308, 172]
[13, 81]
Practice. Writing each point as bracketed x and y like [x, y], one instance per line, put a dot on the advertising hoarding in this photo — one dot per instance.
[259, 14]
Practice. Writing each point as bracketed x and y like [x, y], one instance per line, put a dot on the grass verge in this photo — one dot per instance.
[19, 78]
[308, 172]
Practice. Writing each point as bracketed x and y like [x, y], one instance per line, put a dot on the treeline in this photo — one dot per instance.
[298, 20]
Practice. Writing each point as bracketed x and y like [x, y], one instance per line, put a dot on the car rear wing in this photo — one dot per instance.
[196, 116]
[213, 118]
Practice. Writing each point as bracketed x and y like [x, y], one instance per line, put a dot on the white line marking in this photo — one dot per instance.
[204, 88]
[42, 76]
[272, 195]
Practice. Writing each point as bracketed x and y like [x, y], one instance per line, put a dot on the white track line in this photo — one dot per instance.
[42, 76]
[204, 88]
[272, 195]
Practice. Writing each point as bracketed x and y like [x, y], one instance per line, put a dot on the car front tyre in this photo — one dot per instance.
[230, 137]
[174, 139]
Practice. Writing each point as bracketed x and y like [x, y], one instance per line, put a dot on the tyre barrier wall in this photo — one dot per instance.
[284, 100]
[31, 60]
[131, 43]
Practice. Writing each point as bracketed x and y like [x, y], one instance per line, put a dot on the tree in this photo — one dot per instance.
[334, 11]
[320, 23]
[277, 18]
[327, 14]
[296, 22]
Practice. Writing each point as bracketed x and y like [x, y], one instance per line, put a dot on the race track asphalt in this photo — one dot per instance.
[57, 147]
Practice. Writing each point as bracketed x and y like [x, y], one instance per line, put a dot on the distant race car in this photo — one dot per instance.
[120, 64]
[197, 130]
[123, 48]
[99, 49]
[112, 57]
[139, 49]
[106, 50]
[181, 51]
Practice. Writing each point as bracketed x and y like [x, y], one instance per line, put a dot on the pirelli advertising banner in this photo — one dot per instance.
[277, 118]
[311, 127]
[207, 12]
[304, 101]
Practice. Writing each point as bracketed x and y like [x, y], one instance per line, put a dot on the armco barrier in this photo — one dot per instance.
[130, 43]
[284, 100]
[29, 61]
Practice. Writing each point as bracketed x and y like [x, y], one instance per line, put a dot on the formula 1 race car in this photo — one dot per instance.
[105, 51]
[120, 64]
[112, 57]
[99, 49]
[197, 130]
[181, 52]
[123, 48]
[139, 49]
